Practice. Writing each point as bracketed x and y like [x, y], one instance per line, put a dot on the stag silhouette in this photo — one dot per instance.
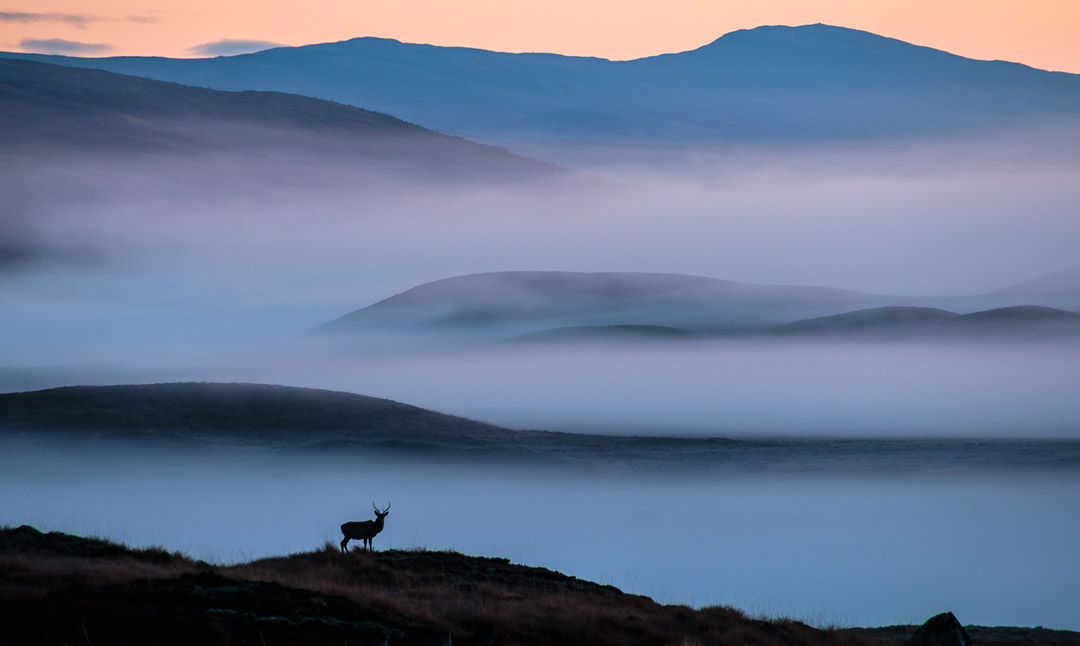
[364, 530]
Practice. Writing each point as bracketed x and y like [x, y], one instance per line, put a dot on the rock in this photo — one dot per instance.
[940, 630]
[20, 539]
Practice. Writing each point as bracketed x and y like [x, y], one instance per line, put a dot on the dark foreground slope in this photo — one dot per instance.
[61, 589]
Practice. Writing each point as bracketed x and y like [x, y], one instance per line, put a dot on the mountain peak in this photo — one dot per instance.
[784, 40]
[771, 84]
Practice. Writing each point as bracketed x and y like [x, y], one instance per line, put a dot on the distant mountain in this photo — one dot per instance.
[46, 109]
[253, 412]
[812, 83]
[505, 304]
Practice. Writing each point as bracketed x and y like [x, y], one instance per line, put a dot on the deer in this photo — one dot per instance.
[364, 530]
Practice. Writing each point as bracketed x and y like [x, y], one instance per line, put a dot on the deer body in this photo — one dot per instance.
[364, 530]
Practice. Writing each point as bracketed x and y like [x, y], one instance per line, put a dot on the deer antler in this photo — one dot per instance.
[387, 508]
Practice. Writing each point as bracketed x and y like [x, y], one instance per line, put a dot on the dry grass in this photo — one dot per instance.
[481, 601]
[64, 586]
[491, 600]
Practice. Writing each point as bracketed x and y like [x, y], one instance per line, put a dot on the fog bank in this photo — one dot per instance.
[866, 551]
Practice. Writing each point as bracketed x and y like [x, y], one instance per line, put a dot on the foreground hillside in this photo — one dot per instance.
[79, 590]
[58, 588]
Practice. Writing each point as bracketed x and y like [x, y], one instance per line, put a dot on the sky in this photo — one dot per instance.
[1040, 33]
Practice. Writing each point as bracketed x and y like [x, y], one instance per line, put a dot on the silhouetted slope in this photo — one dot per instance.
[61, 589]
[50, 108]
[335, 424]
[770, 84]
[253, 411]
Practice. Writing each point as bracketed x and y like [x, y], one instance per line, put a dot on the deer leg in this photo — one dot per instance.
[344, 542]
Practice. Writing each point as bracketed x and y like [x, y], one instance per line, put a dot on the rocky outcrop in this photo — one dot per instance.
[940, 630]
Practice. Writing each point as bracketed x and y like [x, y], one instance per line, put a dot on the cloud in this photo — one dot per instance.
[230, 47]
[143, 19]
[25, 17]
[62, 46]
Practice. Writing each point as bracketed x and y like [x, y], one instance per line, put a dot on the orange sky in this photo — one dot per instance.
[1041, 33]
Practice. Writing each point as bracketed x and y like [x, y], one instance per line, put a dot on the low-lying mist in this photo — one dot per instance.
[867, 550]
[165, 267]
[728, 388]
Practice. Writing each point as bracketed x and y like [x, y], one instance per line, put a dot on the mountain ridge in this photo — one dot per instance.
[849, 85]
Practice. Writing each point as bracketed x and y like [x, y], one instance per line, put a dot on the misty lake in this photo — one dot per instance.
[866, 545]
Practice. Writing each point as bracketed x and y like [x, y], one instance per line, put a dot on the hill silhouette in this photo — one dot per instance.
[774, 84]
[302, 416]
[106, 593]
[311, 422]
[48, 109]
[62, 588]
[1021, 320]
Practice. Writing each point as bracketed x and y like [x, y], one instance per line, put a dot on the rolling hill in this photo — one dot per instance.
[507, 304]
[315, 423]
[1022, 322]
[1031, 321]
[47, 110]
[259, 413]
[877, 321]
[1058, 289]
[545, 307]
[808, 84]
